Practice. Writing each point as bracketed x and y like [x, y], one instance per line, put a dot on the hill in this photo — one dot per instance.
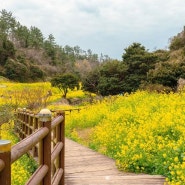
[27, 56]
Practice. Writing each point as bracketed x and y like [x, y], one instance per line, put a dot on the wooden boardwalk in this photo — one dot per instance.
[84, 166]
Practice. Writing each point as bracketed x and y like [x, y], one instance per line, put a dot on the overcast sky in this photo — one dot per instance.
[104, 26]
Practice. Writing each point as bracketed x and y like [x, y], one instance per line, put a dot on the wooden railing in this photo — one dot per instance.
[68, 111]
[42, 138]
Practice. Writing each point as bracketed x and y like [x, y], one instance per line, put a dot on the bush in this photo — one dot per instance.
[155, 88]
[16, 71]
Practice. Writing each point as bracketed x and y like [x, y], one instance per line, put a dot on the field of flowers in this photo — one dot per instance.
[23, 167]
[144, 132]
[15, 95]
[25, 94]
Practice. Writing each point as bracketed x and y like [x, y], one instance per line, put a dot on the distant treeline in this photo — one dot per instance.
[26, 56]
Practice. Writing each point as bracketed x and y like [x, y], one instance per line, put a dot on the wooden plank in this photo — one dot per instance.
[84, 166]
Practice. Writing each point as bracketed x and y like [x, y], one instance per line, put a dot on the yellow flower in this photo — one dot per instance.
[164, 155]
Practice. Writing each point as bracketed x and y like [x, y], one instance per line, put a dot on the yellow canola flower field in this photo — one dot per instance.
[25, 94]
[21, 169]
[21, 95]
[144, 132]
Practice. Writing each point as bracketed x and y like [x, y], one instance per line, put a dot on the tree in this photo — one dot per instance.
[35, 38]
[50, 47]
[178, 41]
[90, 81]
[112, 76]
[65, 82]
[7, 50]
[139, 61]
[22, 34]
[107, 80]
[133, 52]
[7, 22]
[16, 71]
[84, 67]
[36, 73]
[92, 57]
[69, 51]
[7, 25]
[167, 74]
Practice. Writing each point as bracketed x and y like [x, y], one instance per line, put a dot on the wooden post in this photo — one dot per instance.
[36, 126]
[45, 150]
[53, 143]
[5, 155]
[24, 123]
[34, 149]
[61, 137]
[16, 122]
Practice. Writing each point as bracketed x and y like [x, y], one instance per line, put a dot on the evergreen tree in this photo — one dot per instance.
[139, 61]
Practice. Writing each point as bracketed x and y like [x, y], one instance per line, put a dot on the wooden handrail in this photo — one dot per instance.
[38, 176]
[68, 110]
[57, 176]
[56, 121]
[56, 150]
[41, 138]
[26, 144]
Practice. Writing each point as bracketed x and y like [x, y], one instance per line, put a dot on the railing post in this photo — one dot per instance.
[45, 146]
[61, 137]
[5, 155]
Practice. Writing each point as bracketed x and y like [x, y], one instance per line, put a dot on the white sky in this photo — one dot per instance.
[104, 26]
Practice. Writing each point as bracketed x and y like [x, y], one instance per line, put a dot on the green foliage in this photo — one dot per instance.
[112, 76]
[7, 22]
[35, 38]
[19, 70]
[16, 71]
[107, 80]
[90, 81]
[151, 87]
[133, 53]
[65, 82]
[48, 59]
[163, 55]
[178, 41]
[167, 74]
[139, 62]
[6, 50]
[116, 77]
[36, 73]
[49, 46]
[25, 55]
[22, 34]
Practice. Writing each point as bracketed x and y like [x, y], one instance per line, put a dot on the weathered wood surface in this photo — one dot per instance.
[83, 166]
